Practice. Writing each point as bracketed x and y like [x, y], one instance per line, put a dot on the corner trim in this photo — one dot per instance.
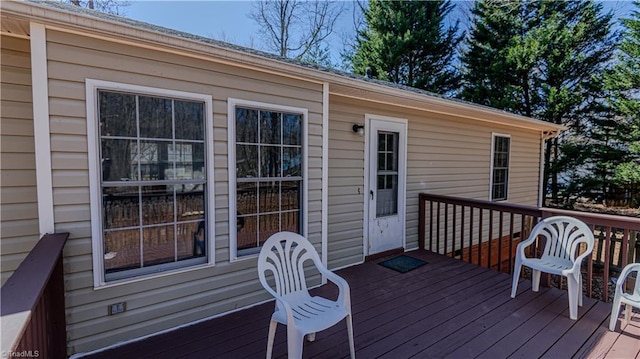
[41, 133]
[325, 176]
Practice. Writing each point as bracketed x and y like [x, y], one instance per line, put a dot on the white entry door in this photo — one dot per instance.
[386, 179]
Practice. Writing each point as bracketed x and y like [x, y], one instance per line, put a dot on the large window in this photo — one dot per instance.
[500, 167]
[153, 189]
[267, 185]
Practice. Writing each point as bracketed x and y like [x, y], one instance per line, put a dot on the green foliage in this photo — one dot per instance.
[318, 55]
[546, 60]
[406, 42]
[624, 85]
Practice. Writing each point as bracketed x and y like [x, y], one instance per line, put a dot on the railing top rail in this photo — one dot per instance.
[598, 219]
[20, 294]
[496, 206]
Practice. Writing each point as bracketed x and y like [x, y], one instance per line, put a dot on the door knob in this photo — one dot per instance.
[371, 193]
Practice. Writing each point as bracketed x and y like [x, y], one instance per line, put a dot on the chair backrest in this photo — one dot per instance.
[284, 255]
[626, 272]
[563, 237]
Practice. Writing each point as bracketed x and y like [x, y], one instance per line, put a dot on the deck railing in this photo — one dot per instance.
[486, 233]
[33, 312]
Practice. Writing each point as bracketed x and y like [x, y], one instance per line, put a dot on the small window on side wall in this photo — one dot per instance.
[150, 183]
[501, 149]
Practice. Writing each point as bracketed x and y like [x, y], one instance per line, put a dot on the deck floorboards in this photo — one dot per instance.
[445, 309]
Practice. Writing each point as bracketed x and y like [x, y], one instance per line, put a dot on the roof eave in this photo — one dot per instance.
[56, 18]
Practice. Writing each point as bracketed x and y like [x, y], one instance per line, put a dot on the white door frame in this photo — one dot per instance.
[402, 178]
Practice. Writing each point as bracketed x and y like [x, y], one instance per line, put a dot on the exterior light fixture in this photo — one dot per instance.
[358, 129]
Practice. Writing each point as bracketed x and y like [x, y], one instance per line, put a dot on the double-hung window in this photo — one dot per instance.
[501, 148]
[267, 186]
[152, 191]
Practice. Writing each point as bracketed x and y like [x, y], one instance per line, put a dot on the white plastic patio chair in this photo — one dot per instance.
[563, 238]
[284, 255]
[631, 299]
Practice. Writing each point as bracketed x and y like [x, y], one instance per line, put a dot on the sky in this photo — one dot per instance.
[223, 20]
[229, 21]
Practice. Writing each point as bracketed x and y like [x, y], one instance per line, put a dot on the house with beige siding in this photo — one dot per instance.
[169, 158]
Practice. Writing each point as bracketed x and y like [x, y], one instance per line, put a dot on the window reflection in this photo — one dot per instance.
[268, 174]
[154, 181]
[155, 117]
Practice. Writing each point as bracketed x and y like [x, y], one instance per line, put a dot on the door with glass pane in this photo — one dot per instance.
[386, 183]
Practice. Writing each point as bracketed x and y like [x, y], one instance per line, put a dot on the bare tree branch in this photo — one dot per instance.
[291, 28]
[115, 7]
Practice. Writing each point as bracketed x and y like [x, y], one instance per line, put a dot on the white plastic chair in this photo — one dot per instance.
[621, 297]
[563, 238]
[284, 255]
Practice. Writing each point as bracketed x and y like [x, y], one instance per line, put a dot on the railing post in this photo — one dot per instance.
[56, 313]
[33, 308]
[421, 222]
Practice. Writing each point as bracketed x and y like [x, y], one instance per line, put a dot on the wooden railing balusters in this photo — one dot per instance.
[470, 234]
[616, 236]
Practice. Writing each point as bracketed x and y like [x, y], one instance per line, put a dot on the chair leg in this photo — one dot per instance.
[272, 334]
[615, 311]
[627, 313]
[535, 280]
[295, 343]
[352, 347]
[572, 289]
[516, 278]
[580, 289]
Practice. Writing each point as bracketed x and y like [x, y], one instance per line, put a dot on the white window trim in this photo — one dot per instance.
[232, 103]
[93, 137]
[493, 144]
[402, 180]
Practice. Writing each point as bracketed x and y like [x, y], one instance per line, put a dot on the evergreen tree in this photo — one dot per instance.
[579, 46]
[318, 55]
[497, 64]
[406, 42]
[624, 82]
[546, 60]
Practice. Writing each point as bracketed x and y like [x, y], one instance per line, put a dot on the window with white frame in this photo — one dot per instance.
[267, 186]
[152, 179]
[500, 167]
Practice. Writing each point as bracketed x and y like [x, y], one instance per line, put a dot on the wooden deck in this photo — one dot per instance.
[445, 309]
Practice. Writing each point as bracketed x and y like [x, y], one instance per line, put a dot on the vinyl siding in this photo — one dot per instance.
[169, 300]
[18, 194]
[445, 155]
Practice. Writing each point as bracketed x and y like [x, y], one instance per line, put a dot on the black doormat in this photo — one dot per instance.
[403, 263]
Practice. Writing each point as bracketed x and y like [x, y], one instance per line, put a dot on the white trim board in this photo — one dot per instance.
[93, 140]
[325, 176]
[231, 143]
[402, 179]
[41, 133]
[493, 143]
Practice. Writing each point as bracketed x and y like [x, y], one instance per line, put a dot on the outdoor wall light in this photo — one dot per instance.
[358, 129]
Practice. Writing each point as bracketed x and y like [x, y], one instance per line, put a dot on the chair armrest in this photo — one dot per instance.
[626, 271]
[524, 244]
[285, 305]
[344, 293]
[578, 263]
